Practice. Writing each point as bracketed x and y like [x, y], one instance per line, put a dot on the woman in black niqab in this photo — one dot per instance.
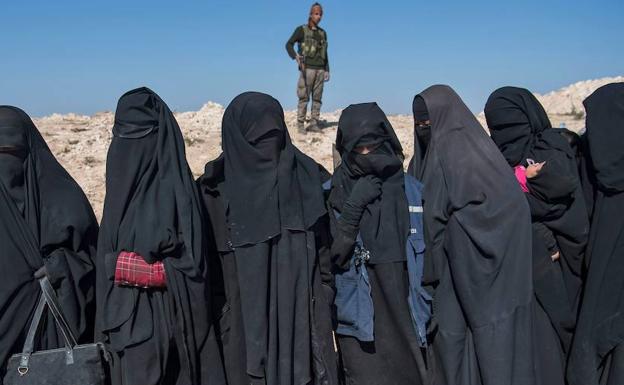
[46, 225]
[265, 203]
[597, 355]
[368, 198]
[521, 129]
[385, 223]
[478, 250]
[152, 207]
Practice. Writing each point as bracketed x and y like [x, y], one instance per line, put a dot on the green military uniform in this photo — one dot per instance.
[312, 46]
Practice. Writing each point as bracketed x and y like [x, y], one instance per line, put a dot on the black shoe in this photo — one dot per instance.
[313, 128]
[321, 123]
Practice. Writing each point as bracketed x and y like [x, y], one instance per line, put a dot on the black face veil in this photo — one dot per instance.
[385, 222]
[266, 176]
[519, 125]
[13, 151]
[45, 220]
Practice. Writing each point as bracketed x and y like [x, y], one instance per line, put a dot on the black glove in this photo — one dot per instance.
[365, 191]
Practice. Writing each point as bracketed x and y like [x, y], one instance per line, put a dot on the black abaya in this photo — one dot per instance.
[265, 204]
[478, 251]
[597, 355]
[521, 129]
[394, 356]
[45, 221]
[152, 207]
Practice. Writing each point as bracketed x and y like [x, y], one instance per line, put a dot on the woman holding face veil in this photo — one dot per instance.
[377, 252]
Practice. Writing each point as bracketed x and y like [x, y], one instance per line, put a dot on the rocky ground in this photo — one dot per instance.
[80, 142]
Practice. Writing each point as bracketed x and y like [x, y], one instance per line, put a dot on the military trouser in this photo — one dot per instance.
[312, 84]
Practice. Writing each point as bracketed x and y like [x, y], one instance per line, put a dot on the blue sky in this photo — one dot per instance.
[80, 56]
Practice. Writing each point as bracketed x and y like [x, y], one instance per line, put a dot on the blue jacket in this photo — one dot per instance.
[354, 303]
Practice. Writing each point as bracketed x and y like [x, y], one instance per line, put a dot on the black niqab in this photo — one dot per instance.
[269, 197]
[384, 225]
[255, 187]
[152, 207]
[45, 220]
[520, 126]
[422, 133]
[419, 109]
[12, 156]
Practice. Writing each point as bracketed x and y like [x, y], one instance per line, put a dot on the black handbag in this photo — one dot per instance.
[72, 365]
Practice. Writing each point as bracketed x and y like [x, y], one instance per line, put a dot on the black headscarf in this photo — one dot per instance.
[521, 129]
[600, 328]
[45, 220]
[272, 196]
[152, 207]
[519, 125]
[257, 186]
[384, 225]
[478, 247]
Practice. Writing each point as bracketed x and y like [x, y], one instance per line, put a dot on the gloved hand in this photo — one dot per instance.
[365, 191]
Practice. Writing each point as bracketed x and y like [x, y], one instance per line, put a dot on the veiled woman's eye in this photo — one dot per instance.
[276, 133]
[363, 150]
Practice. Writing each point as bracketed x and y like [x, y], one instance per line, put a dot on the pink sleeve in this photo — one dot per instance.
[520, 172]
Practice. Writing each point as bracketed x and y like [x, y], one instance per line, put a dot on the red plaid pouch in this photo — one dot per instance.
[132, 270]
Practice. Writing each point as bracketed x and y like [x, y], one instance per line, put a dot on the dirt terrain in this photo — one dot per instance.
[80, 142]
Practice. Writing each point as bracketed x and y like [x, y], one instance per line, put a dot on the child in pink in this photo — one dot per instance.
[523, 174]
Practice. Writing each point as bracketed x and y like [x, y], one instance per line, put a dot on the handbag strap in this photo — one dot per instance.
[34, 326]
[49, 298]
[57, 312]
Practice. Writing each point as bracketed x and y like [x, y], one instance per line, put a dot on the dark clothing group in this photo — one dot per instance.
[270, 270]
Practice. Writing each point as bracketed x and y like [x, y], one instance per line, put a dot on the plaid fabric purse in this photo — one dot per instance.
[132, 270]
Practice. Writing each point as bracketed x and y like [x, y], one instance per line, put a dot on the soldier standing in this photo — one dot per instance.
[311, 57]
